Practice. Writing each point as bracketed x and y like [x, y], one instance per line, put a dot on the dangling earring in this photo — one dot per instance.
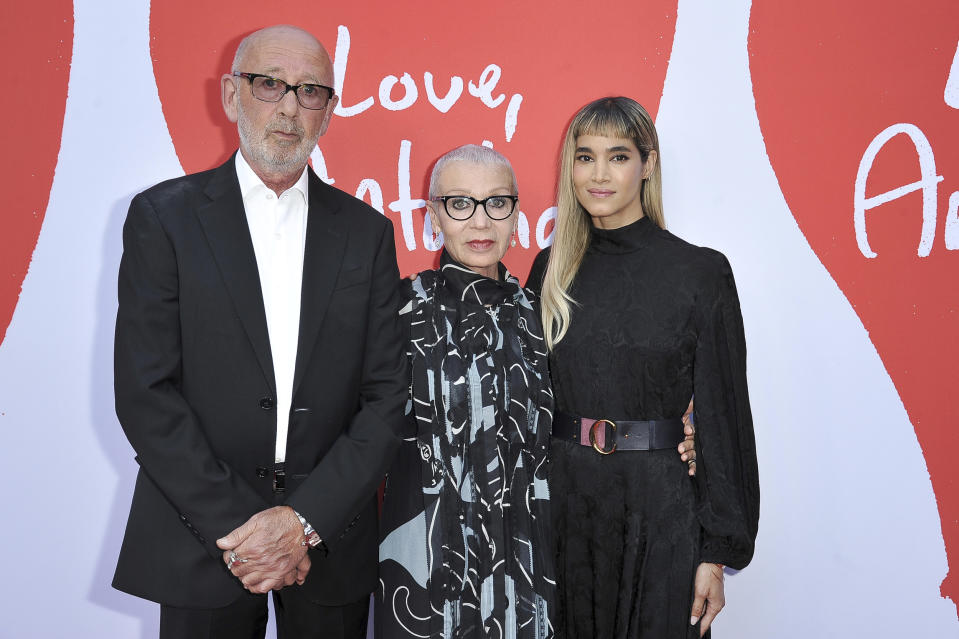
[512, 241]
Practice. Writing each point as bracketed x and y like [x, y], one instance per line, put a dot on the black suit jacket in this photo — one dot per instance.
[196, 396]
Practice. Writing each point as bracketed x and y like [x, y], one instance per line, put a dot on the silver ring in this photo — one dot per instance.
[234, 558]
[690, 462]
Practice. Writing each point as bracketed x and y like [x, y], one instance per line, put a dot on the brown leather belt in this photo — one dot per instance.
[607, 435]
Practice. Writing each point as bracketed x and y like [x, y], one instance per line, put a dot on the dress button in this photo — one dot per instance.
[261, 472]
[266, 403]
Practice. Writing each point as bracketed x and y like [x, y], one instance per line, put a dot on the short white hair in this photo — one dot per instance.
[474, 154]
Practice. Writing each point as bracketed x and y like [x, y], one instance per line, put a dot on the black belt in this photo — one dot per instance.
[607, 435]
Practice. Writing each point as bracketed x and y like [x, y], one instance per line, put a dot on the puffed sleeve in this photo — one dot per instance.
[727, 476]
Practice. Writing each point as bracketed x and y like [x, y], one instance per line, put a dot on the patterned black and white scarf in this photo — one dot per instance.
[483, 406]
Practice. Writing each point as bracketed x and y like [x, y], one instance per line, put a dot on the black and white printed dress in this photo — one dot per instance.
[464, 546]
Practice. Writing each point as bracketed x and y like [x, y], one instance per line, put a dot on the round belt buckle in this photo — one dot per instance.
[592, 436]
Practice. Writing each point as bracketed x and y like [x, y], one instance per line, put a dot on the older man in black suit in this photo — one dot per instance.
[260, 372]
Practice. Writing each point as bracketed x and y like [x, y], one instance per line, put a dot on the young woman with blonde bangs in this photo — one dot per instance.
[637, 322]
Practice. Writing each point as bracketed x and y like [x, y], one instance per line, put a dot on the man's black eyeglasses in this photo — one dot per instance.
[269, 89]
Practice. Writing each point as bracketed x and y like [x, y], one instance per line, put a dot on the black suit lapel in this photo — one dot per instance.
[223, 219]
[326, 234]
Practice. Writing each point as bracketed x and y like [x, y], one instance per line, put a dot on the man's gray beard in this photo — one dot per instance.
[283, 161]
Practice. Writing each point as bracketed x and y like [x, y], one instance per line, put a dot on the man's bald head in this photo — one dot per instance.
[283, 33]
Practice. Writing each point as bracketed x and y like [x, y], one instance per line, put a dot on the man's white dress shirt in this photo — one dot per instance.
[278, 228]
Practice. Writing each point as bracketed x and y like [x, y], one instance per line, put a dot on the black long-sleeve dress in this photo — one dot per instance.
[657, 321]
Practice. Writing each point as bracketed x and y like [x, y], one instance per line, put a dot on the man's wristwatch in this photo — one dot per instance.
[312, 537]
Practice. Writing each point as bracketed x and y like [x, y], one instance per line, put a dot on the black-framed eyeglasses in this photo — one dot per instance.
[270, 89]
[462, 207]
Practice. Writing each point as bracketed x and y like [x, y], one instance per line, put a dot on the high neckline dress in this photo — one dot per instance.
[657, 320]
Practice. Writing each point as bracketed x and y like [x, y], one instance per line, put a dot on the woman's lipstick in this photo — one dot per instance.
[600, 192]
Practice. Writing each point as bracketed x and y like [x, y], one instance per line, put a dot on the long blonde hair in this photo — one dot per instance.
[615, 117]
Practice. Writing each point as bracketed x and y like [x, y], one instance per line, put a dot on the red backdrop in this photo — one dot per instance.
[37, 40]
[829, 78]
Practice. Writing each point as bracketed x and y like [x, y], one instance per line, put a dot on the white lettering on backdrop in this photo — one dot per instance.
[928, 181]
[391, 98]
[951, 94]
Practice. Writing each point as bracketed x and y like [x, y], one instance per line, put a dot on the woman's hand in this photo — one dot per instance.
[709, 595]
[687, 447]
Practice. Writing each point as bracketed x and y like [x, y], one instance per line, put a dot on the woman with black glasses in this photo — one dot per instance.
[465, 517]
